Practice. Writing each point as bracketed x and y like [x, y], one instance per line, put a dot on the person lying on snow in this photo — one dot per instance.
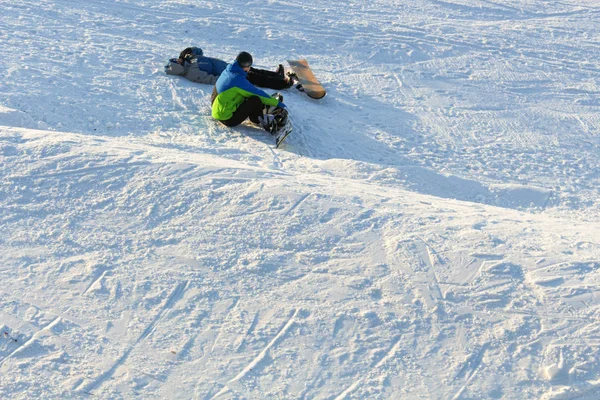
[234, 99]
[193, 65]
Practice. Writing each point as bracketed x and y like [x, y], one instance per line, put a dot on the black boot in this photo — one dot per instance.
[280, 70]
[293, 80]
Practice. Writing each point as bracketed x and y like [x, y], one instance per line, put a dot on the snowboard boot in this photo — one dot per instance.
[293, 80]
[266, 121]
[274, 119]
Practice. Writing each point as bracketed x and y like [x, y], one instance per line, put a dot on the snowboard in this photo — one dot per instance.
[306, 77]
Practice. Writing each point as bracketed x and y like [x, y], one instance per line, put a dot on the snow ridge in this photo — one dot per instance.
[429, 229]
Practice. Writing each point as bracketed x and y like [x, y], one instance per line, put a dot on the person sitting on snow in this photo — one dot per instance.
[234, 99]
[193, 65]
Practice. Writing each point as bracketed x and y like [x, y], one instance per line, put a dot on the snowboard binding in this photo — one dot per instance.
[275, 120]
[293, 81]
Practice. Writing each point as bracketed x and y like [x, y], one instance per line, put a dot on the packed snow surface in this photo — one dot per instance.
[430, 230]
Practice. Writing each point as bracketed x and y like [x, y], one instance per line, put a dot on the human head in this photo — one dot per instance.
[244, 59]
[187, 51]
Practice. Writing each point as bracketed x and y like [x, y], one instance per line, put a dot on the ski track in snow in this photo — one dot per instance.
[261, 356]
[429, 230]
[171, 300]
[24, 346]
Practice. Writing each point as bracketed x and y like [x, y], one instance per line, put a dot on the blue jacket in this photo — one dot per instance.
[212, 66]
[232, 89]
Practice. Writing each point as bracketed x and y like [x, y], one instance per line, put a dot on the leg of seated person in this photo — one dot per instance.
[267, 79]
[251, 108]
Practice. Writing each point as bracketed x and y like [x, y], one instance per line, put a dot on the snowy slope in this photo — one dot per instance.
[429, 231]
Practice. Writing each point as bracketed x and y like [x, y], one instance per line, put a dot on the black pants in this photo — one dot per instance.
[267, 79]
[251, 108]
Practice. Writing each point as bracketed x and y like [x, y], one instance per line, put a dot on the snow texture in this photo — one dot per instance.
[430, 230]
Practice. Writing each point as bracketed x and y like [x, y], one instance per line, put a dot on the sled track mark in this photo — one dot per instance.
[431, 258]
[96, 279]
[431, 285]
[173, 298]
[249, 332]
[31, 340]
[390, 353]
[262, 354]
[300, 201]
[469, 369]
[230, 309]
